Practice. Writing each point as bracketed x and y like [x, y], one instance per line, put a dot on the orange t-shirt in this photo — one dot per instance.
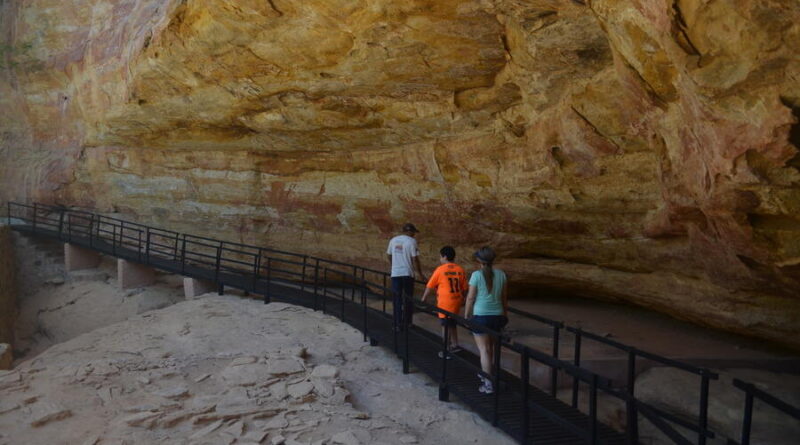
[450, 283]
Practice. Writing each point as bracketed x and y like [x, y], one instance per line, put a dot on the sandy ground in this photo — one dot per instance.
[226, 370]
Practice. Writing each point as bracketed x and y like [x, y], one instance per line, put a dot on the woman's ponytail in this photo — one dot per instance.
[486, 257]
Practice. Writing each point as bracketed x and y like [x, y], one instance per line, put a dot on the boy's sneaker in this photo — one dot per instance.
[441, 355]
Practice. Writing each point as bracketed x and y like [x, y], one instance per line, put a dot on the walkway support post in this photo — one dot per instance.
[525, 377]
[576, 360]
[554, 371]
[632, 421]
[747, 420]
[702, 422]
[193, 287]
[444, 392]
[496, 378]
[593, 410]
[78, 258]
[130, 274]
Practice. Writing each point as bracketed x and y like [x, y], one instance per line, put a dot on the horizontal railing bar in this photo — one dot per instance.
[243, 263]
[283, 261]
[538, 318]
[767, 398]
[200, 243]
[675, 419]
[242, 252]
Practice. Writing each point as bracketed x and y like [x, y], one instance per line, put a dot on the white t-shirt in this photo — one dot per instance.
[402, 248]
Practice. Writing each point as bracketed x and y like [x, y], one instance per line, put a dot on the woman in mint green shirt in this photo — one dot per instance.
[487, 305]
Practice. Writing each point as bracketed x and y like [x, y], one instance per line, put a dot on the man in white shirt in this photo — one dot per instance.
[402, 252]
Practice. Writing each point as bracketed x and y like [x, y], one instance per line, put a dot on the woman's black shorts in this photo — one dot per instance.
[493, 322]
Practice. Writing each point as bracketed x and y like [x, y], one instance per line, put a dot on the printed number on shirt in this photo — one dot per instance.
[455, 285]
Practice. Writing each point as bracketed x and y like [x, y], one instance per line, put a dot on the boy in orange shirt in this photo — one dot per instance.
[450, 283]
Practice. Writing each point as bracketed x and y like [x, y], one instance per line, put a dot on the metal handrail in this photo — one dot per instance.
[351, 283]
[751, 393]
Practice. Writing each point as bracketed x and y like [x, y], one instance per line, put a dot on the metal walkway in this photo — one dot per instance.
[358, 296]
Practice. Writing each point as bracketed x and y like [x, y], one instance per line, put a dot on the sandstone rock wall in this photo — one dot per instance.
[637, 150]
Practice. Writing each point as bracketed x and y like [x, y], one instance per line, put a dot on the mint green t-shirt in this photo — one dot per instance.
[488, 303]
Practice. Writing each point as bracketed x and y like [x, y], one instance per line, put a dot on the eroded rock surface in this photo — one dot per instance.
[642, 150]
[243, 372]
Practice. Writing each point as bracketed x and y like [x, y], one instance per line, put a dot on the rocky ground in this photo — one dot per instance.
[67, 305]
[222, 370]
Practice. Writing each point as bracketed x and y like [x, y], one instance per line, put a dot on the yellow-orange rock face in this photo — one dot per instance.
[642, 150]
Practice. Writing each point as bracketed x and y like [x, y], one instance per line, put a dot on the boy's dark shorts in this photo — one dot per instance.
[447, 322]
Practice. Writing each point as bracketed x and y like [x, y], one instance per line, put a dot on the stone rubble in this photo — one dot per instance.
[255, 384]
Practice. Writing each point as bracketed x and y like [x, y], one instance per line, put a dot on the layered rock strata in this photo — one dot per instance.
[636, 150]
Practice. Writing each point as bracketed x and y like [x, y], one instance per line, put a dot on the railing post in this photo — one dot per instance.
[139, 246]
[496, 379]
[267, 292]
[183, 254]
[316, 283]
[748, 417]
[593, 410]
[35, 209]
[353, 292]
[256, 267]
[554, 371]
[60, 225]
[217, 262]
[147, 245]
[113, 236]
[177, 241]
[91, 230]
[576, 360]
[632, 421]
[344, 292]
[525, 376]
[303, 279]
[384, 293]
[444, 392]
[702, 421]
[325, 290]
[364, 305]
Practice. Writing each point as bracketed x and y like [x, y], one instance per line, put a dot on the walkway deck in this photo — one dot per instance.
[550, 420]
